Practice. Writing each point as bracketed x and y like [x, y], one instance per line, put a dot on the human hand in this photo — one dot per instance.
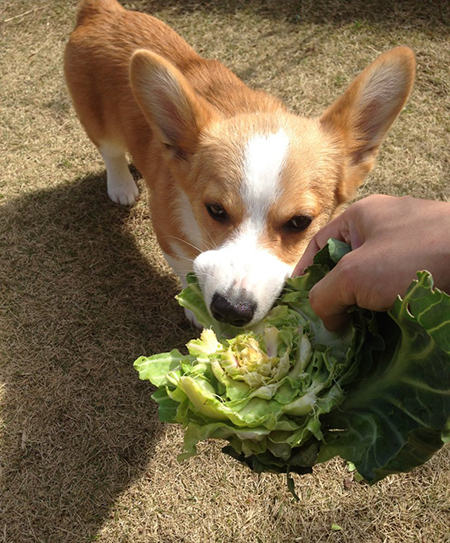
[391, 239]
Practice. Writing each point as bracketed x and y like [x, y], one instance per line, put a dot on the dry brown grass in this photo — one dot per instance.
[84, 290]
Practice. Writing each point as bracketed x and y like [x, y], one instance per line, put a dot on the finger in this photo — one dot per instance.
[307, 257]
[337, 229]
[335, 323]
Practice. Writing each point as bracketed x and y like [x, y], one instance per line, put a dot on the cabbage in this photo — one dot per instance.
[287, 393]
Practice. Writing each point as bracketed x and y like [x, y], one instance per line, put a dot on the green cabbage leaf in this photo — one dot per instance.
[287, 393]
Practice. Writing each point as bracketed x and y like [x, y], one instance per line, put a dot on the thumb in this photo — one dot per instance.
[331, 298]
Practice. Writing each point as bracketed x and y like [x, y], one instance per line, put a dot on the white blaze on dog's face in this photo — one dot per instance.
[257, 200]
[241, 279]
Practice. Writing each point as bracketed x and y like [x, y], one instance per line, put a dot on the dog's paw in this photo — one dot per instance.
[192, 318]
[124, 191]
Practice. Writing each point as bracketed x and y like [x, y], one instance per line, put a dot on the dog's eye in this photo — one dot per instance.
[217, 212]
[298, 223]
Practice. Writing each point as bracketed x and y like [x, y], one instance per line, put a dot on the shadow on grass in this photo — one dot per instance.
[81, 303]
[412, 14]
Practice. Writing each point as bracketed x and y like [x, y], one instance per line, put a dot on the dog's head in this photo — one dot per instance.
[252, 189]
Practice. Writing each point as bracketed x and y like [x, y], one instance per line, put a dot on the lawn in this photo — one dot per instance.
[84, 289]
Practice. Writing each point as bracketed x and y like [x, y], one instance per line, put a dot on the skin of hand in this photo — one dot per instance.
[391, 238]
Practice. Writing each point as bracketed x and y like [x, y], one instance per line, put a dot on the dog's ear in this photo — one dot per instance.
[172, 108]
[361, 118]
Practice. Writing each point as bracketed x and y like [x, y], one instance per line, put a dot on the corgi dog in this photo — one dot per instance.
[237, 184]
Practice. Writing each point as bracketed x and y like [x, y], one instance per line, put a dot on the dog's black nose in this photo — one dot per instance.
[238, 313]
